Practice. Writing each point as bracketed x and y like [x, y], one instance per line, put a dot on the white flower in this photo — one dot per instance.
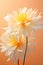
[20, 24]
[12, 45]
[24, 21]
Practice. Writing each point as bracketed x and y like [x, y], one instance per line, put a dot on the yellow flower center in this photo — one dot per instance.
[14, 42]
[22, 17]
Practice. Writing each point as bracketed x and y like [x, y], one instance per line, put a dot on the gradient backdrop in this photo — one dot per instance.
[7, 6]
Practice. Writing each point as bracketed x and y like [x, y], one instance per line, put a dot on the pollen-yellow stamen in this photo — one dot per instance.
[14, 42]
[22, 17]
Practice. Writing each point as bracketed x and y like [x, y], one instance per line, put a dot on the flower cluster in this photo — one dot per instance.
[21, 23]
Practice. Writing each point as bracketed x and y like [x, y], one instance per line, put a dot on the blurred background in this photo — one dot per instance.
[7, 6]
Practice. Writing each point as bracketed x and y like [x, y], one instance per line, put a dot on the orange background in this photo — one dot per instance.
[7, 6]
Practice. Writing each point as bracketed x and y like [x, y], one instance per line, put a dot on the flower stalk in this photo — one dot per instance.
[25, 50]
[18, 61]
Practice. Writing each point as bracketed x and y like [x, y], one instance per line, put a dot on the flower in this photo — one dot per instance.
[12, 46]
[21, 23]
[24, 21]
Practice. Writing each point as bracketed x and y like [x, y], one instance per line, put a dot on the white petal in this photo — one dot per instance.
[37, 27]
[6, 28]
[38, 23]
[14, 57]
[11, 50]
[19, 50]
[8, 17]
[22, 55]
[33, 13]
[27, 24]
[22, 10]
[29, 10]
[36, 18]
[3, 48]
